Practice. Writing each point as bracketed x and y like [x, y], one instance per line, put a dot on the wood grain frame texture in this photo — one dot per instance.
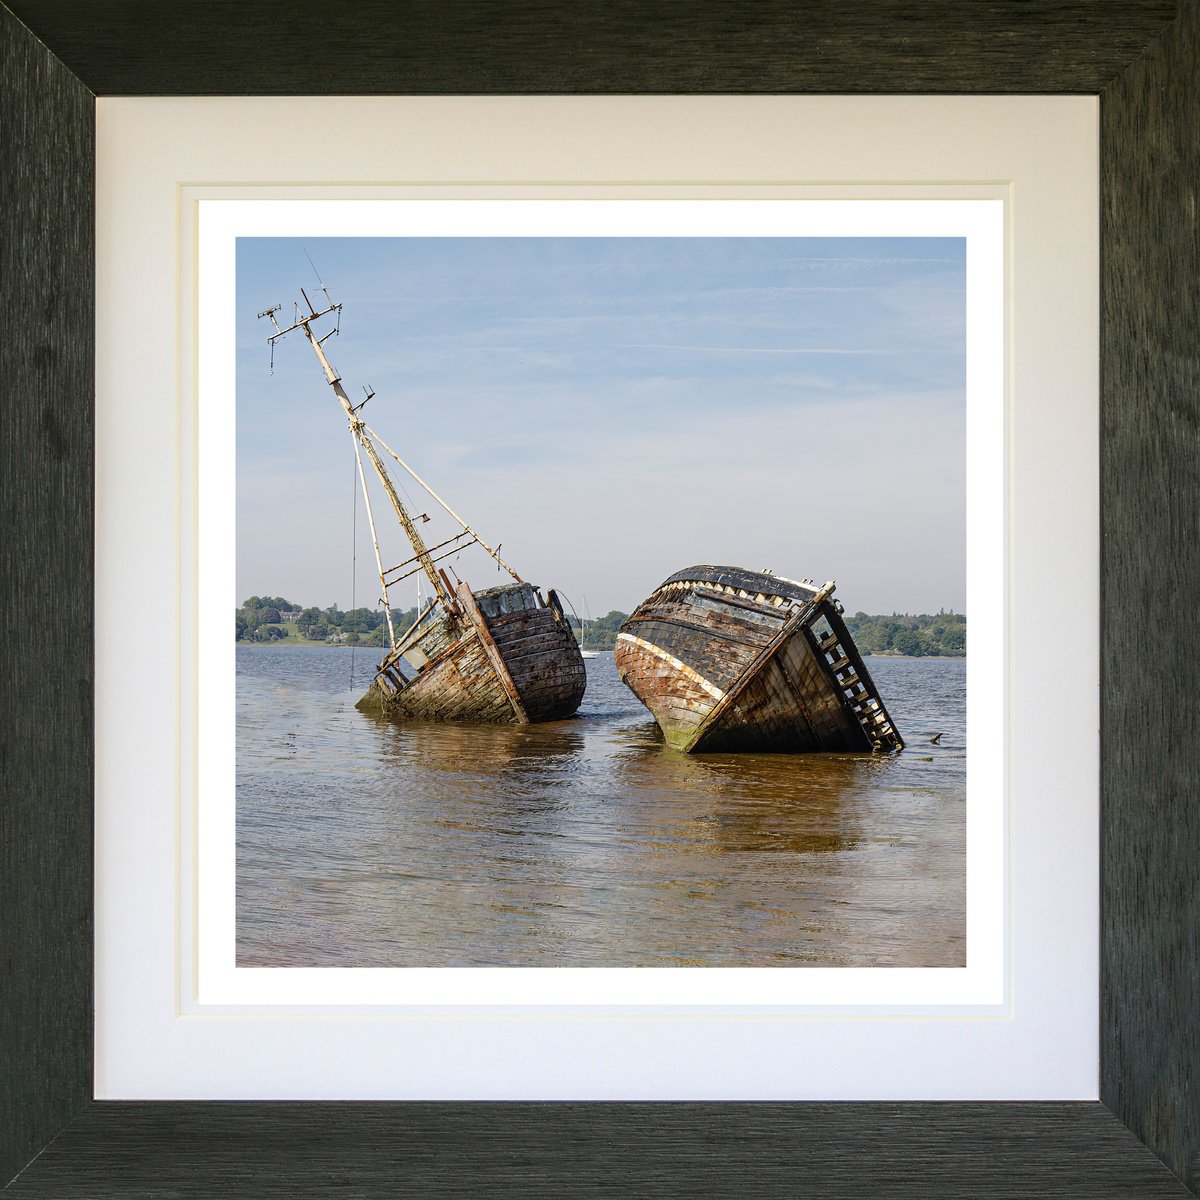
[1142, 1140]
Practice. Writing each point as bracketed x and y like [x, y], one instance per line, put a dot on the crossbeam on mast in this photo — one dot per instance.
[482, 544]
[434, 549]
[437, 559]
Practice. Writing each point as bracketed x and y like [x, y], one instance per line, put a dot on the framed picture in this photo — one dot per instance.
[122, 1147]
[941, 965]
[575, 323]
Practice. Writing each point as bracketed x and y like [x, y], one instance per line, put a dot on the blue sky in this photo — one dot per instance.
[614, 409]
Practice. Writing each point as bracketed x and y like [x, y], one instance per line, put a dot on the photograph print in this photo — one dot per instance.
[601, 601]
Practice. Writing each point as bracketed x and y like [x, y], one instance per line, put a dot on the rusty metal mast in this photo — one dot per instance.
[358, 428]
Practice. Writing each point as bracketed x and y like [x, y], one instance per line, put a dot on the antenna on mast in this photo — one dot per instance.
[320, 281]
[267, 312]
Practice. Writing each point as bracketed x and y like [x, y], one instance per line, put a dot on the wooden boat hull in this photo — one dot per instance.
[506, 657]
[733, 660]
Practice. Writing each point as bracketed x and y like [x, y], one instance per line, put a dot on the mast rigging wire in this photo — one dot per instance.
[353, 544]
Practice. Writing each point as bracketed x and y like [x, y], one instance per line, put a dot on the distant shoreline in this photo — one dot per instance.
[925, 635]
[284, 643]
[894, 654]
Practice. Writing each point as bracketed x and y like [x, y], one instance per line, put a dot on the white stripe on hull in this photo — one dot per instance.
[682, 667]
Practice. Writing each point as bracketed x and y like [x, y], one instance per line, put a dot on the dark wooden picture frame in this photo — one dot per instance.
[1142, 1139]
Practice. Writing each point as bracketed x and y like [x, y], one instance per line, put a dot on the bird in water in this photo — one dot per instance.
[936, 739]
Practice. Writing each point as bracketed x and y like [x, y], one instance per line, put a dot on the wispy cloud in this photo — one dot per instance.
[700, 349]
[851, 263]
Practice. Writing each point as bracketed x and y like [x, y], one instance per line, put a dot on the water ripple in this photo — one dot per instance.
[366, 842]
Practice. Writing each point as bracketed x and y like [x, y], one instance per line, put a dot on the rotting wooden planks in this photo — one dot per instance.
[731, 660]
[502, 657]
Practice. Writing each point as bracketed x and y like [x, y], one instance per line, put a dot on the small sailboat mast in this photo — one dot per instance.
[503, 654]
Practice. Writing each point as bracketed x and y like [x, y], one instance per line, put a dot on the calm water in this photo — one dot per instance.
[363, 842]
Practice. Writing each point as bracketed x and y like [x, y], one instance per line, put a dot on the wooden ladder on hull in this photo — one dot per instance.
[852, 679]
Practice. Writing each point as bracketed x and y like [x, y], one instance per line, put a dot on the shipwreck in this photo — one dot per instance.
[733, 660]
[500, 655]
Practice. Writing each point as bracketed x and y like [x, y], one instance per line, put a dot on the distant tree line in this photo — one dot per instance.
[940, 635]
[270, 618]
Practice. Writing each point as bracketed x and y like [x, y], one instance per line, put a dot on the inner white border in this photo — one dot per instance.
[221, 221]
[152, 1041]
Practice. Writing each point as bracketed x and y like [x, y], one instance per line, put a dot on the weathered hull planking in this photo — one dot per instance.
[734, 660]
[504, 657]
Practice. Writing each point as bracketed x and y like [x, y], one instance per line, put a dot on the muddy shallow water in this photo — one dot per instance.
[363, 842]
